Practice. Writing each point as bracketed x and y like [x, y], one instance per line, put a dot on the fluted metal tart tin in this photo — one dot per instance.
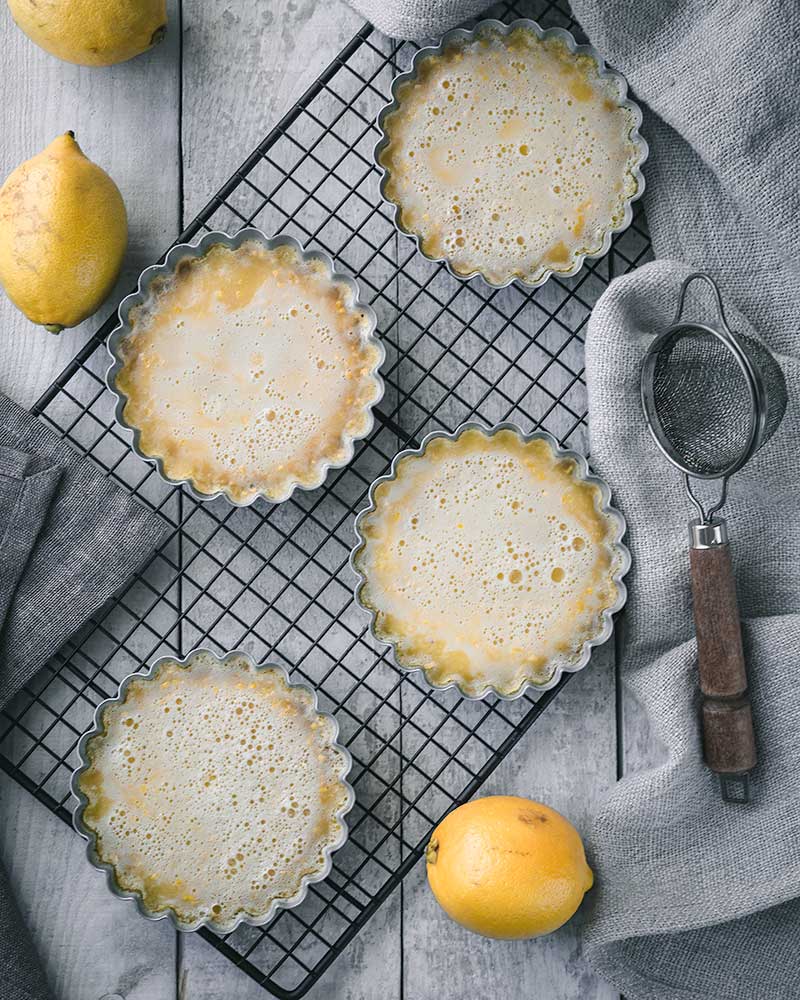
[184, 251]
[462, 35]
[584, 474]
[90, 836]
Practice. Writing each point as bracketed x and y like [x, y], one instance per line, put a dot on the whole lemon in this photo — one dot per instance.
[507, 867]
[63, 232]
[92, 32]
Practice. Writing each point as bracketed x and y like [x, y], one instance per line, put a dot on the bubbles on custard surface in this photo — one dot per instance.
[487, 561]
[213, 789]
[509, 155]
[248, 369]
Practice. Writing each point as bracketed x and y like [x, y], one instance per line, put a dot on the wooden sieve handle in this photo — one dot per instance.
[728, 737]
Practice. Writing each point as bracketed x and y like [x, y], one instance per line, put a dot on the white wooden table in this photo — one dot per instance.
[170, 127]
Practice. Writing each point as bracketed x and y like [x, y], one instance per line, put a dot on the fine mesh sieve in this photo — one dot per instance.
[711, 399]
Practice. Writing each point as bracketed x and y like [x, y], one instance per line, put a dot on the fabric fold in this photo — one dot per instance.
[93, 538]
[25, 496]
[69, 539]
[687, 884]
[696, 897]
[417, 19]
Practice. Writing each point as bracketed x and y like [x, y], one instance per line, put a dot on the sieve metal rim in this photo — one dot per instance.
[753, 381]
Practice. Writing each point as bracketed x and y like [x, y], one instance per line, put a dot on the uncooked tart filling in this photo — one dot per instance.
[488, 561]
[249, 371]
[213, 790]
[510, 156]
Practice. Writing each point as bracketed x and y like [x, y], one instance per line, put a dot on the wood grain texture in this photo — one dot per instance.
[716, 617]
[728, 738]
[567, 760]
[91, 943]
[126, 119]
[729, 743]
[243, 66]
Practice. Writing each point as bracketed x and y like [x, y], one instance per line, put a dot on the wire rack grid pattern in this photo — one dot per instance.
[275, 580]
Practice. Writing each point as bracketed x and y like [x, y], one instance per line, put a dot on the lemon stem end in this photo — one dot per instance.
[432, 851]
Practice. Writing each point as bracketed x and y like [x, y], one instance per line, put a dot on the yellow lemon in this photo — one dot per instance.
[63, 232]
[92, 32]
[507, 867]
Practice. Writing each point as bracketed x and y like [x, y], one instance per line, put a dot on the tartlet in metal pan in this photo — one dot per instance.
[511, 152]
[212, 791]
[490, 560]
[246, 367]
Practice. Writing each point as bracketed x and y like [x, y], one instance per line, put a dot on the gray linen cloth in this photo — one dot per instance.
[69, 539]
[697, 899]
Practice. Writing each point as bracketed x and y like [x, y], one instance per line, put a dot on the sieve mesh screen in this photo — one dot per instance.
[775, 398]
[702, 401]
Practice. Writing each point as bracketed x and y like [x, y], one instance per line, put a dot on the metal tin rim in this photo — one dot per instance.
[617, 545]
[91, 838]
[465, 35]
[183, 251]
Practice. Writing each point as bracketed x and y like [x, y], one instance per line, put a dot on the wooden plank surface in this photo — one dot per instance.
[126, 119]
[243, 65]
[92, 944]
[241, 73]
[567, 760]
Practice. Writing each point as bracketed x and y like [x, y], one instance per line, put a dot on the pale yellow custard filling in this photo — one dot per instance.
[510, 156]
[488, 562]
[213, 790]
[249, 371]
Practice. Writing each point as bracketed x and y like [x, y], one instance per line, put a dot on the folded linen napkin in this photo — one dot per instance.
[697, 899]
[69, 539]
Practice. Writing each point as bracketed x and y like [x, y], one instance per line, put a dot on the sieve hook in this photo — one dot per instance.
[702, 276]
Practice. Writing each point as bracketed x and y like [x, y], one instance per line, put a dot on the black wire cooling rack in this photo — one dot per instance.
[275, 580]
